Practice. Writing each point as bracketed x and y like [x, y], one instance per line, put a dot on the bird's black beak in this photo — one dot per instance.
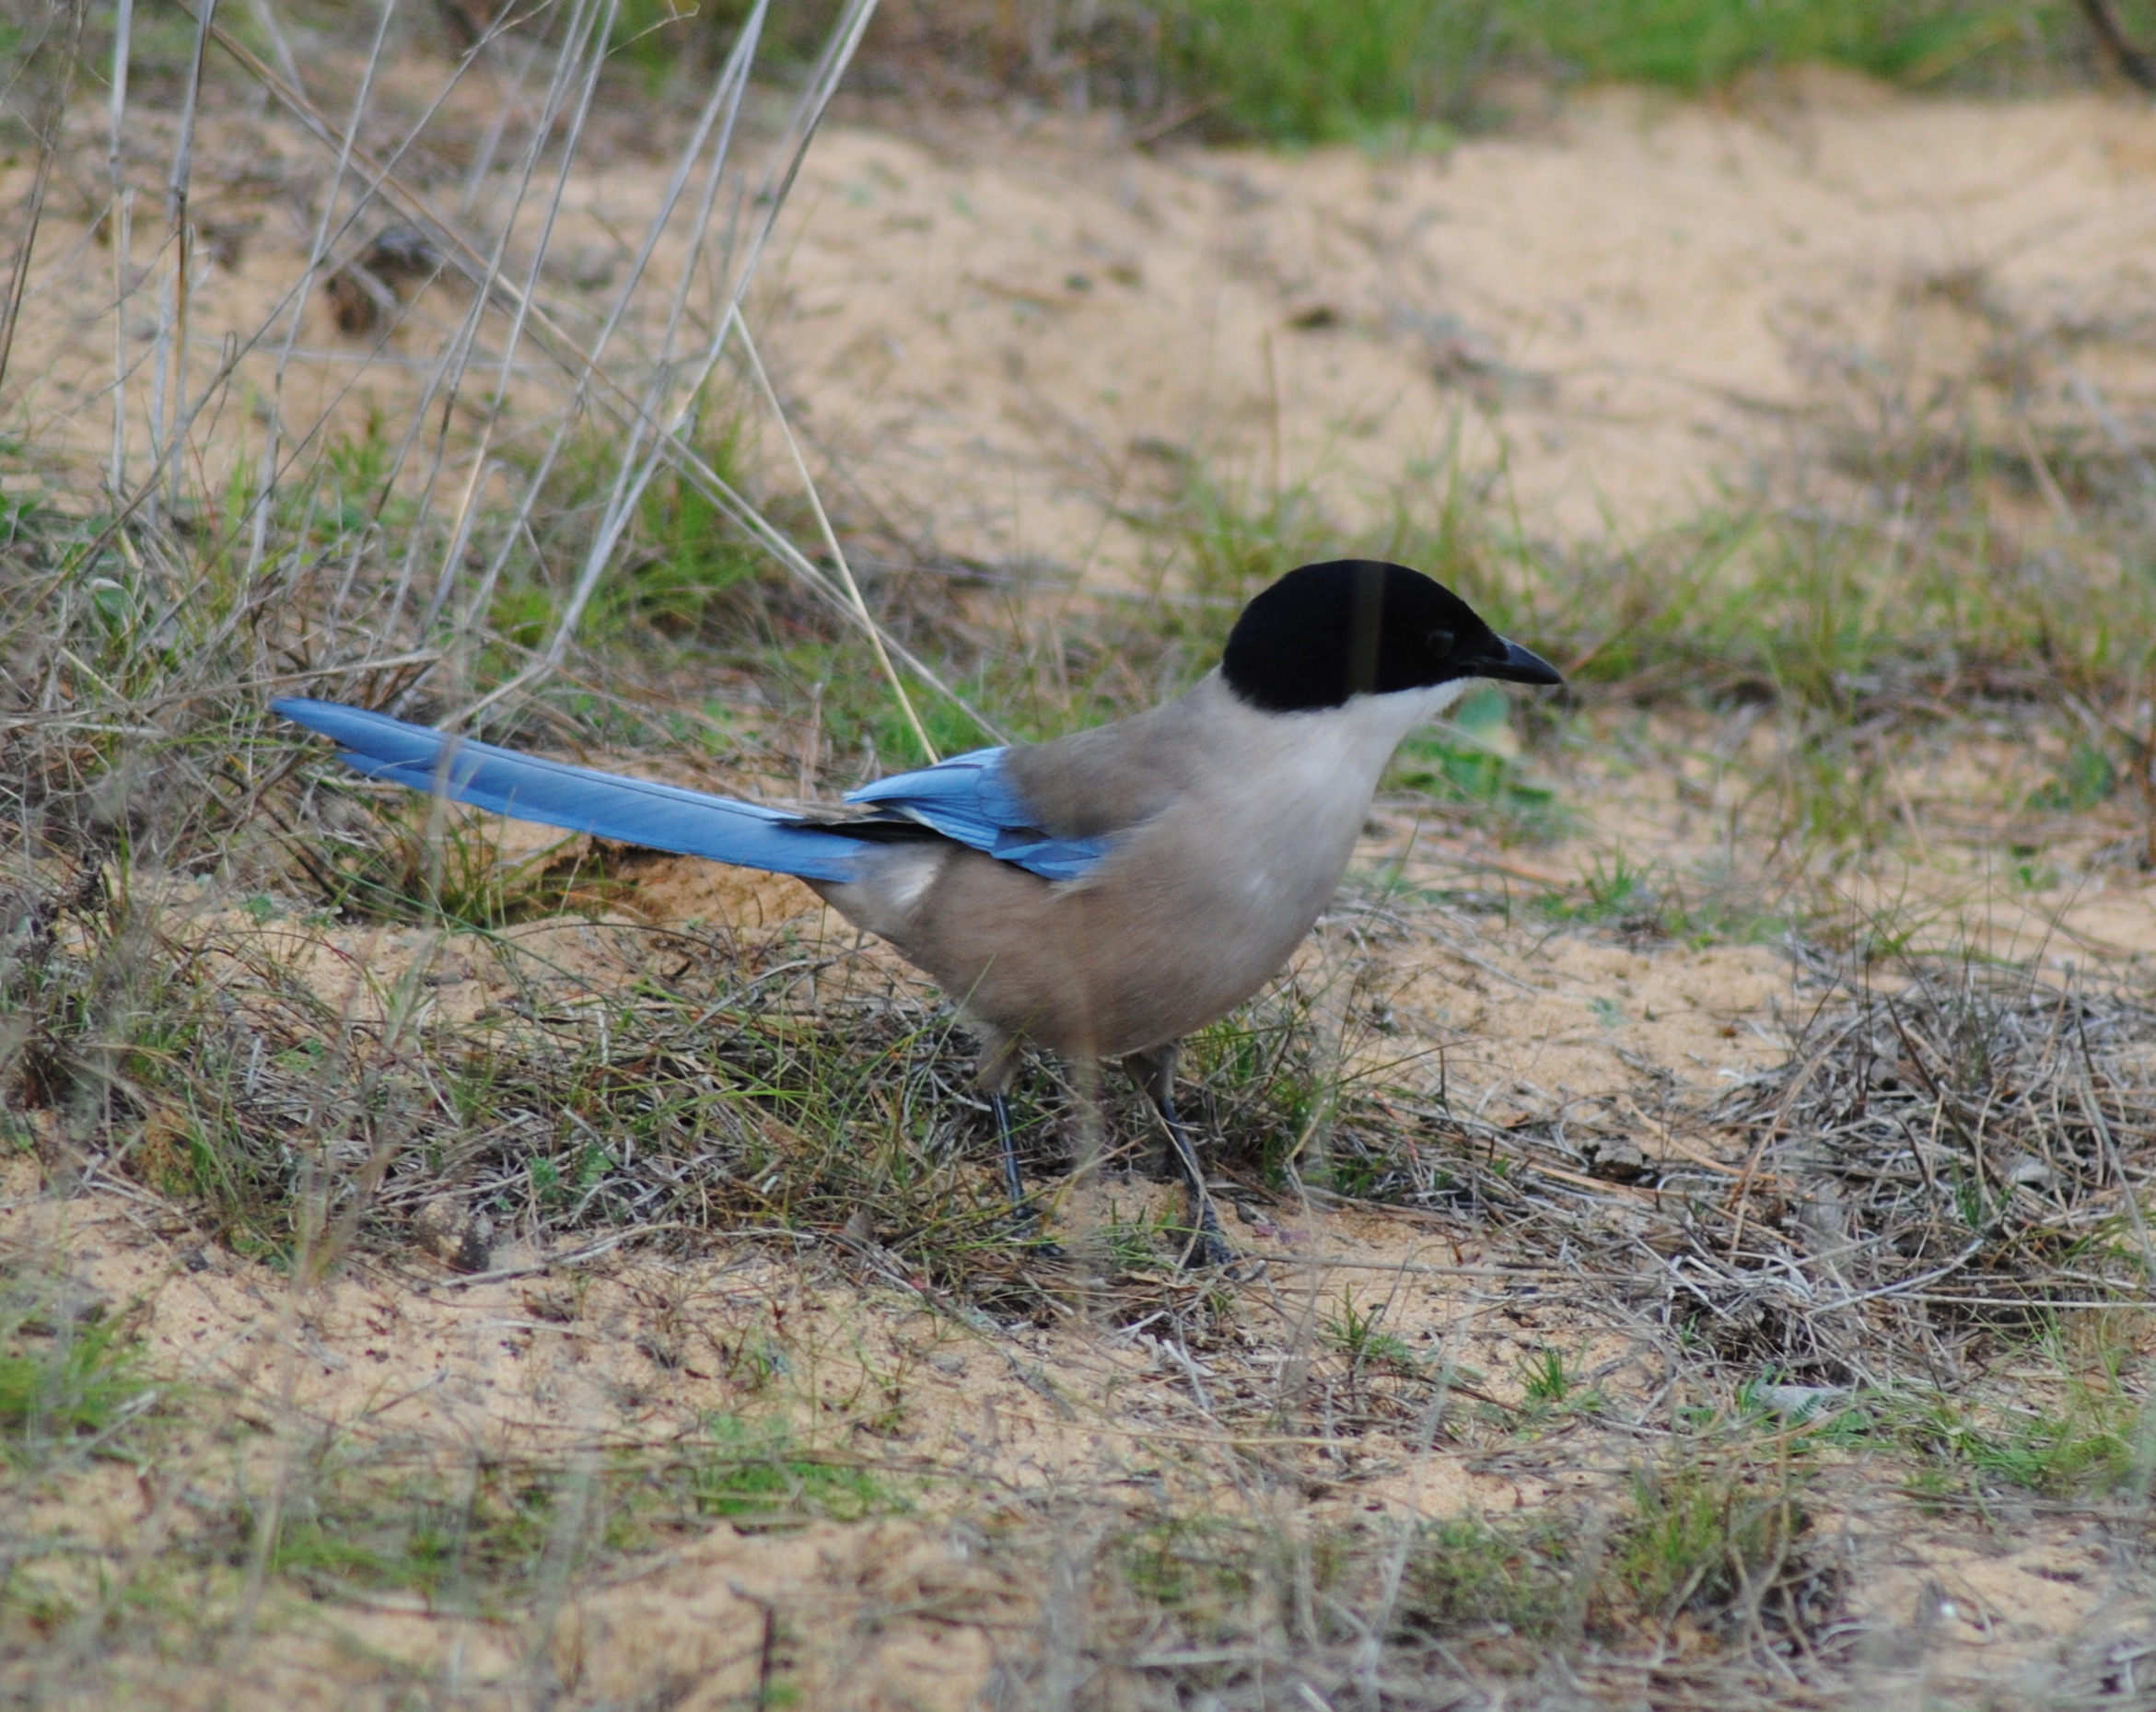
[1514, 664]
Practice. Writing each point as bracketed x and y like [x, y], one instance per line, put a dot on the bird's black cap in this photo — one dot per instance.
[1350, 627]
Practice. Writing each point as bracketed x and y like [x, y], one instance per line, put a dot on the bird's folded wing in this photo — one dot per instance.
[970, 798]
[580, 800]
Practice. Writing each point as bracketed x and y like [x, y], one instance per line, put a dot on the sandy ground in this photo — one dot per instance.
[1001, 340]
[1619, 308]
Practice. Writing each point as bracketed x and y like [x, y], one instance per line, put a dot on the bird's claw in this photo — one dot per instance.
[1025, 1226]
[1210, 1249]
[1213, 1254]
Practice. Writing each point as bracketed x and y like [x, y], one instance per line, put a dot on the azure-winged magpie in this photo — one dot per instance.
[1102, 894]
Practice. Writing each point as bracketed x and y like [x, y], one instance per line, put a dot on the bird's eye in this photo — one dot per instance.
[1440, 642]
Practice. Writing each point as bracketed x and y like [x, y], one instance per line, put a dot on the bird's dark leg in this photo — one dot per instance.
[1023, 1215]
[1014, 1186]
[999, 1064]
[1155, 1072]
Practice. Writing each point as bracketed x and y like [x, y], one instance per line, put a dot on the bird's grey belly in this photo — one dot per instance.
[1098, 971]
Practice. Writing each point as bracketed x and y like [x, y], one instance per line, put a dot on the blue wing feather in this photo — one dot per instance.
[971, 798]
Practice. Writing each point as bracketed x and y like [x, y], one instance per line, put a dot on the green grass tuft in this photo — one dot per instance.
[1310, 71]
[1317, 70]
[1702, 1539]
[1468, 1575]
[1697, 44]
[483, 1535]
[61, 1382]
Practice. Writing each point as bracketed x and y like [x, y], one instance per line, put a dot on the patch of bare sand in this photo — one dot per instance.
[887, 1613]
[955, 1418]
[694, 894]
[1006, 342]
[1941, 845]
[1957, 1619]
[367, 977]
[1575, 1016]
[1622, 305]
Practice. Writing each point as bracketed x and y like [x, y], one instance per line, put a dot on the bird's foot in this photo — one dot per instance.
[1025, 1225]
[1209, 1248]
[1209, 1251]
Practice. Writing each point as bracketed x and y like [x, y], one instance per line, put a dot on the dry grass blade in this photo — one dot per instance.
[715, 130]
[1931, 1141]
[50, 67]
[838, 557]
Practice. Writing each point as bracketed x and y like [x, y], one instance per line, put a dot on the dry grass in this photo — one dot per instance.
[1675, 1349]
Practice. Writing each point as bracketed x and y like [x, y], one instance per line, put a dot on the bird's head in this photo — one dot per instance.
[1327, 633]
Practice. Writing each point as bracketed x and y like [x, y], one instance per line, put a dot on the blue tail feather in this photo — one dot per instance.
[580, 800]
